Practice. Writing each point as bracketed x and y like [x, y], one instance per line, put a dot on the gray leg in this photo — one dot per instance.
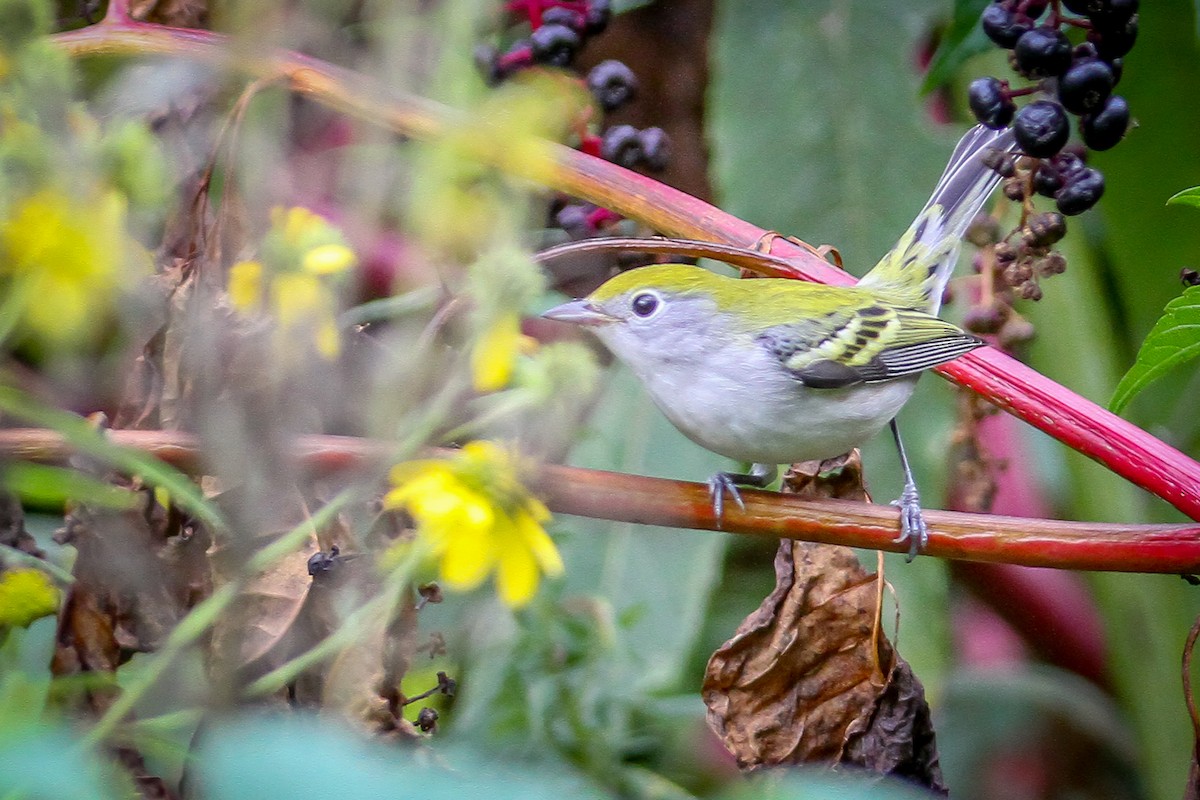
[912, 522]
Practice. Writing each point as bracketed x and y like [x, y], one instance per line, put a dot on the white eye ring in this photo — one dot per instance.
[645, 304]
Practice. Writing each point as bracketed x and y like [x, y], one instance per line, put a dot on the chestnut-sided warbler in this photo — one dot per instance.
[774, 371]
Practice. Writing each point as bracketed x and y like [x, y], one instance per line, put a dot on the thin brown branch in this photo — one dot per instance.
[656, 501]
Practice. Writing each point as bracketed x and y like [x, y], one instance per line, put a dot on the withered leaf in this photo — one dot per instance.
[802, 671]
[808, 677]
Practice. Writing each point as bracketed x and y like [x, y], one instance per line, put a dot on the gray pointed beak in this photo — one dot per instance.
[580, 312]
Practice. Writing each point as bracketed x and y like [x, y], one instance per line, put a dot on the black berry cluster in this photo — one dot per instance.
[1072, 51]
[557, 30]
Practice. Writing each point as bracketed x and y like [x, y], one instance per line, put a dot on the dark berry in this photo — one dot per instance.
[1034, 8]
[1041, 128]
[1085, 50]
[554, 45]
[1045, 229]
[1189, 276]
[656, 148]
[1113, 13]
[597, 16]
[564, 16]
[1107, 126]
[573, 218]
[1116, 41]
[1084, 8]
[990, 103]
[487, 60]
[1085, 86]
[1081, 192]
[622, 146]
[1014, 189]
[1003, 26]
[1117, 65]
[612, 84]
[1043, 52]
[1070, 161]
[1047, 180]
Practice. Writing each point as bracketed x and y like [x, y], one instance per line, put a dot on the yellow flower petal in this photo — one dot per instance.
[517, 575]
[245, 285]
[535, 539]
[328, 340]
[26, 595]
[328, 259]
[495, 354]
[296, 298]
[470, 555]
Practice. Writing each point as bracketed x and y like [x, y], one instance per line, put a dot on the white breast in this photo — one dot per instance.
[763, 415]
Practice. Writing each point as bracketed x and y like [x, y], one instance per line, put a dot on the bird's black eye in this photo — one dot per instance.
[645, 304]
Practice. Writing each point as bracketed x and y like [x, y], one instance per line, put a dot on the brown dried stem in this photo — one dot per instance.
[633, 498]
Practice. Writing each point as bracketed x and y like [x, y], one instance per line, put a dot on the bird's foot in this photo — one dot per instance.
[719, 485]
[912, 522]
[726, 483]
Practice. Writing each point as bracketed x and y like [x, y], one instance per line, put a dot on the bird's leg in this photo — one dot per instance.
[759, 476]
[912, 522]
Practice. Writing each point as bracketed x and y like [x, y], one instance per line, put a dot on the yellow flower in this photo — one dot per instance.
[26, 595]
[246, 285]
[474, 517]
[328, 259]
[65, 256]
[495, 353]
[301, 256]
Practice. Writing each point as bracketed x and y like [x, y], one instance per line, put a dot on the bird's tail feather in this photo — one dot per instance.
[917, 268]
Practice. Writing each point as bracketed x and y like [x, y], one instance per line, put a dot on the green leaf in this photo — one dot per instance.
[1188, 197]
[51, 487]
[988, 714]
[305, 757]
[1174, 340]
[43, 761]
[962, 40]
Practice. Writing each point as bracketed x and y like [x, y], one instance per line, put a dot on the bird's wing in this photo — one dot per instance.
[876, 343]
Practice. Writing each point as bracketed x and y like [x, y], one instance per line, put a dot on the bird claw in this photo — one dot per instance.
[912, 522]
[719, 485]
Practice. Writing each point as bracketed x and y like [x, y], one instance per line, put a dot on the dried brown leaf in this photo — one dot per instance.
[809, 677]
[145, 567]
[264, 628]
[12, 526]
[801, 672]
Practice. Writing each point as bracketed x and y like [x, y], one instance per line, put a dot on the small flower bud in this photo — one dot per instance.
[1016, 331]
[983, 319]
[1045, 229]
[1053, 263]
[1029, 290]
[984, 230]
[1014, 189]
